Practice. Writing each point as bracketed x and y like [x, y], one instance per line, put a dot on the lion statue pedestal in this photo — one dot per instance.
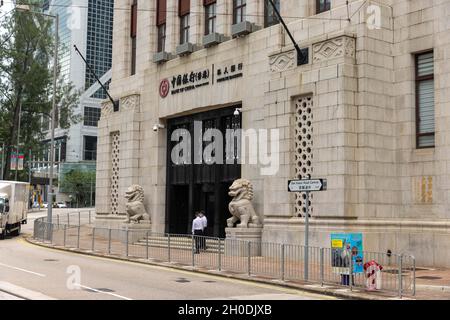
[249, 230]
[134, 223]
[137, 224]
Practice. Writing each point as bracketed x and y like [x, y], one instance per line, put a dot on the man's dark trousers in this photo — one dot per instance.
[197, 236]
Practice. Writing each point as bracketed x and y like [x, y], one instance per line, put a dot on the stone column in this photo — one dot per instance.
[172, 26]
[255, 12]
[224, 16]
[197, 17]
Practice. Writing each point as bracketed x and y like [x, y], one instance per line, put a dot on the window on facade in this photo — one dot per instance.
[323, 5]
[270, 18]
[161, 37]
[210, 16]
[184, 29]
[91, 116]
[425, 122]
[133, 35]
[90, 148]
[239, 7]
[161, 24]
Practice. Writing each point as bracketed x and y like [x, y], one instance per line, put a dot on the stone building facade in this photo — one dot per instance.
[348, 115]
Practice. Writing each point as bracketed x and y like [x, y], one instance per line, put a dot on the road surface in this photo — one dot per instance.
[33, 272]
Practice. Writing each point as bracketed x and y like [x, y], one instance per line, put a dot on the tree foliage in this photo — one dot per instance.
[80, 183]
[26, 82]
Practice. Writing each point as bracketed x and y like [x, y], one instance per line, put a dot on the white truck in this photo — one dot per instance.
[13, 206]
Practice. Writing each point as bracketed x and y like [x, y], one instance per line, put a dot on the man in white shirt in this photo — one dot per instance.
[197, 231]
[205, 224]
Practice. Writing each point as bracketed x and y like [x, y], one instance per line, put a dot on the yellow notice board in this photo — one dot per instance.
[337, 243]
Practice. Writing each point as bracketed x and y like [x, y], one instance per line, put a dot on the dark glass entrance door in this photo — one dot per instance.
[192, 187]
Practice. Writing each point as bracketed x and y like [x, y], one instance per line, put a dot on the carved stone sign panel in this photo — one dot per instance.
[282, 61]
[334, 48]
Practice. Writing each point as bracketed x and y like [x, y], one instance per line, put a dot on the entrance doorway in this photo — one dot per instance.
[192, 187]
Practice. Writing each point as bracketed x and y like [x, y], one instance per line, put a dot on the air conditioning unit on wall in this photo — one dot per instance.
[243, 28]
[212, 39]
[185, 49]
[162, 56]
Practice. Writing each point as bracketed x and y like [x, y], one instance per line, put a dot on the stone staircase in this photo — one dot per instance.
[180, 242]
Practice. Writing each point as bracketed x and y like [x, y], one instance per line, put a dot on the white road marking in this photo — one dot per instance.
[100, 291]
[23, 270]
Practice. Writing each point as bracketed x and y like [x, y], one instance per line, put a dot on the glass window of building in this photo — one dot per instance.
[91, 116]
[99, 42]
[210, 16]
[161, 24]
[239, 7]
[183, 12]
[270, 18]
[323, 5]
[90, 148]
[425, 121]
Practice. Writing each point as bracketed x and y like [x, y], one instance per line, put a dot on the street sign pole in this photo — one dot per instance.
[307, 236]
[307, 186]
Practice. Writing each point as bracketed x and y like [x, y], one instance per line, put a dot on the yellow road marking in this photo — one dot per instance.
[298, 292]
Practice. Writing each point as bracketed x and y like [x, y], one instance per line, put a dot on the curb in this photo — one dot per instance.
[317, 289]
[22, 293]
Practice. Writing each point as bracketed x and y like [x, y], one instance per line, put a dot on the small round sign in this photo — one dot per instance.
[164, 88]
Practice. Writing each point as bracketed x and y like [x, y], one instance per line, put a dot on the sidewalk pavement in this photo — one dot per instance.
[432, 283]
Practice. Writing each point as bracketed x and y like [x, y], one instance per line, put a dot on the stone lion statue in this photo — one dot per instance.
[135, 205]
[241, 207]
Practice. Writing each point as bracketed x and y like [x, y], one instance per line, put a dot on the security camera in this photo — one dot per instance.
[156, 127]
[237, 111]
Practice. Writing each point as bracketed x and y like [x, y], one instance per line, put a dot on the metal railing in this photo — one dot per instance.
[267, 260]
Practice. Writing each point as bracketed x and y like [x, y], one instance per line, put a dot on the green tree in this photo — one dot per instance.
[79, 183]
[26, 82]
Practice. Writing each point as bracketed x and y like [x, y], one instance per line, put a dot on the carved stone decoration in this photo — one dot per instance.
[135, 205]
[334, 48]
[304, 117]
[241, 207]
[115, 161]
[107, 109]
[283, 61]
[129, 103]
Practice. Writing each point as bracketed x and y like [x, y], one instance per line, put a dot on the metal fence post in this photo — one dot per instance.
[249, 266]
[57, 220]
[89, 216]
[68, 219]
[414, 276]
[146, 242]
[220, 255]
[65, 234]
[126, 250]
[321, 267]
[193, 252]
[109, 242]
[400, 280]
[350, 274]
[78, 238]
[93, 239]
[282, 262]
[79, 218]
[168, 247]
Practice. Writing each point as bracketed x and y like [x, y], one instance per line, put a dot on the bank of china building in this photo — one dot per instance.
[364, 104]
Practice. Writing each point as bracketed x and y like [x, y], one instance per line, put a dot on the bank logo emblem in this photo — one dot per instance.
[164, 88]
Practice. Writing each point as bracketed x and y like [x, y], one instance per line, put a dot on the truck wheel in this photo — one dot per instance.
[17, 231]
[3, 234]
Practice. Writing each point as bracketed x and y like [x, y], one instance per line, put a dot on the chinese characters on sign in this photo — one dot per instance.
[195, 79]
[189, 81]
[229, 72]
